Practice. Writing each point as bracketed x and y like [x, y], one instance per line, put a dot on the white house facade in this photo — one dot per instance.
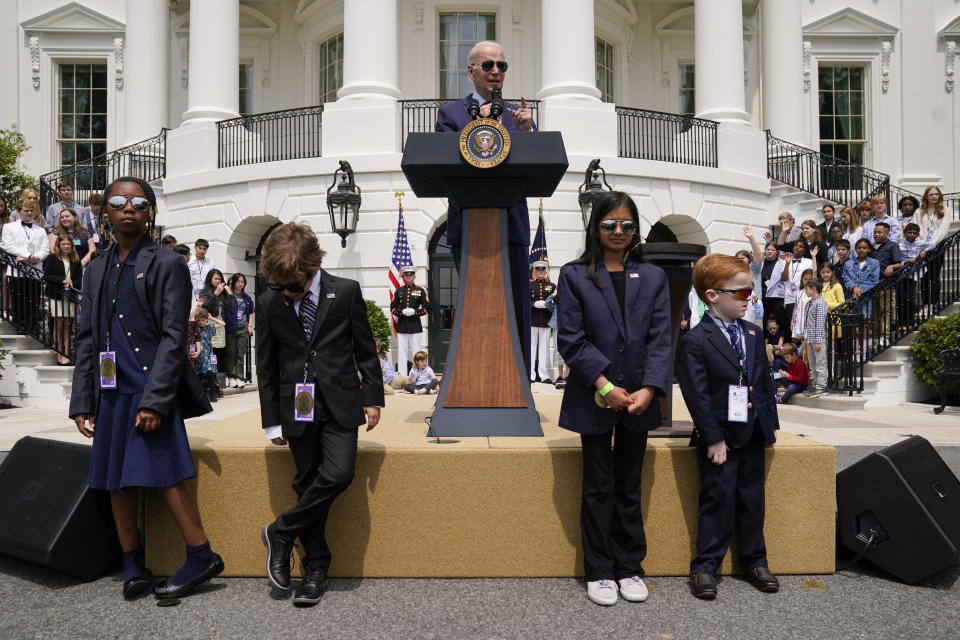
[674, 98]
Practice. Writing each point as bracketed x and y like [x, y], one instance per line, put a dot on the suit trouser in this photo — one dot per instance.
[611, 524]
[519, 256]
[407, 346]
[540, 352]
[325, 456]
[731, 494]
[818, 366]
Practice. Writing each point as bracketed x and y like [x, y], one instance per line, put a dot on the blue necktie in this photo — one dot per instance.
[308, 313]
[735, 341]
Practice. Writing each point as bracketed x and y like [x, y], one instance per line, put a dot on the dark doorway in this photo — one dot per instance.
[260, 284]
[443, 285]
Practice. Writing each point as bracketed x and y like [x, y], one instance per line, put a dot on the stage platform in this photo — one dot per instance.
[480, 507]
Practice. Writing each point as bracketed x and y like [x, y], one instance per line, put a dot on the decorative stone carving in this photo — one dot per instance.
[183, 49]
[517, 15]
[118, 61]
[418, 15]
[885, 47]
[807, 54]
[35, 60]
[951, 61]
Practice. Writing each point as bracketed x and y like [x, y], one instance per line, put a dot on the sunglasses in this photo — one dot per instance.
[629, 227]
[119, 202]
[540, 268]
[292, 287]
[738, 294]
[487, 65]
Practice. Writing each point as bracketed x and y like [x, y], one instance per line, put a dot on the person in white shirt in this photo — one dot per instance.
[27, 242]
[789, 270]
[933, 229]
[199, 266]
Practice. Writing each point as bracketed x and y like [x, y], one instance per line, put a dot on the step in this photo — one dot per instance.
[31, 357]
[55, 374]
[19, 342]
[831, 402]
[897, 353]
[883, 368]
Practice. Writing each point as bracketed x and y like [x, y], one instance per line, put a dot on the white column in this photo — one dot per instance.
[782, 72]
[571, 100]
[365, 119]
[718, 35]
[923, 120]
[214, 90]
[146, 69]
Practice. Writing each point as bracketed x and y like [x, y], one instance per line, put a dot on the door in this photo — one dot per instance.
[443, 287]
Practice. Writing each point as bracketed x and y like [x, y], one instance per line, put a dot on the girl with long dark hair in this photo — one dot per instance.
[613, 329]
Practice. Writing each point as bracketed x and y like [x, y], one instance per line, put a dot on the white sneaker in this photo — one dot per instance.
[633, 589]
[602, 592]
[420, 392]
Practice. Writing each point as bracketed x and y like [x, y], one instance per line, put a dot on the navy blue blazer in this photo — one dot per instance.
[162, 283]
[632, 349]
[453, 116]
[707, 366]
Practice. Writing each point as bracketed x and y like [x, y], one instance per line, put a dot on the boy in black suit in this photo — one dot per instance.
[312, 339]
[727, 386]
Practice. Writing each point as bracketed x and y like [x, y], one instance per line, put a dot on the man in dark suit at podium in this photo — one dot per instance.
[487, 68]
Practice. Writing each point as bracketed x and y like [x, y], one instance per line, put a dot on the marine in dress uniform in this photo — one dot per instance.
[409, 304]
[540, 313]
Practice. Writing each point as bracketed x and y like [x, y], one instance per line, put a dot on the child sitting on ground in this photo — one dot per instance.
[422, 378]
[774, 338]
[795, 377]
[392, 381]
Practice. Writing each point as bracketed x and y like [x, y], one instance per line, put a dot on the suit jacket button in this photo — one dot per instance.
[620, 378]
[750, 389]
[749, 405]
[620, 348]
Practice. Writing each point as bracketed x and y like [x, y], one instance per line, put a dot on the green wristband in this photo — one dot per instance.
[607, 388]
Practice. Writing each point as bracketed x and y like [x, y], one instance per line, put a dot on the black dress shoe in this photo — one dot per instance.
[170, 589]
[703, 585]
[548, 381]
[311, 589]
[763, 580]
[279, 550]
[136, 585]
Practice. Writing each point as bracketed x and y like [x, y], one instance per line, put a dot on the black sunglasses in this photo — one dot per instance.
[292, 287]
[487, 65]
[629, 227]
[738, 294]
[119, 202]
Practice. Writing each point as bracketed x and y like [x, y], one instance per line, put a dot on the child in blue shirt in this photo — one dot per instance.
[422, 378]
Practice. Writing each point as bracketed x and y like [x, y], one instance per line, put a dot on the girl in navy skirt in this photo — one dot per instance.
[133, 387]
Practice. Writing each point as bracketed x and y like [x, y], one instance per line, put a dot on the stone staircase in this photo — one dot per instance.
[32, 377]
[801, 204]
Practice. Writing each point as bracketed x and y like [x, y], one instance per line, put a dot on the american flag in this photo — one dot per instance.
[538, 249]
[401, 258]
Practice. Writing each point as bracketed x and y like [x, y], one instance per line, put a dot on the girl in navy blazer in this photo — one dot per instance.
[613, 330]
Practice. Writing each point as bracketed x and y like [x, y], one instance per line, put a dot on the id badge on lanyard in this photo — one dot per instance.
[303, 398]
[108, 369]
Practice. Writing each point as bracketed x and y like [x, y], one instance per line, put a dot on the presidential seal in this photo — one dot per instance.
[484, 143]
[108, 369]
[303, 403]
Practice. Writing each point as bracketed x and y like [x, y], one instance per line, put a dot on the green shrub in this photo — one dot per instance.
[379, 324]
[934, 336]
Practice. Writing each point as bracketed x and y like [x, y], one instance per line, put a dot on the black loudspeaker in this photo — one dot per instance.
[48, 513]
[908, 500]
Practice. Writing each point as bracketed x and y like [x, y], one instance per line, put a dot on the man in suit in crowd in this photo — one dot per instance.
[27, 242]
[487, 69]
[312, 330]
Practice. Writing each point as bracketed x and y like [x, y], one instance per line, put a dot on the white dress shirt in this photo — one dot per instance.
[22, 241]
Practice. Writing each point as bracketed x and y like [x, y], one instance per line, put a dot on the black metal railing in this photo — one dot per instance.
[666, 137]
[860, 330]
[38, 307]
[290, 134]
[146, 160]
[823, 175]
[420, 116]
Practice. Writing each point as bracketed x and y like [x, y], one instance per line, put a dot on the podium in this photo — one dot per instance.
[485, 389]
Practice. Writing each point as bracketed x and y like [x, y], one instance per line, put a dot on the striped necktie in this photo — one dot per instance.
[734, 334]
[308, 314]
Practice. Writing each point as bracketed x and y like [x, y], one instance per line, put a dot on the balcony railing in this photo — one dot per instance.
[823, 175]
[420, 116]
[146, 160]
[291, 134]
[666, 137]
[951, 201]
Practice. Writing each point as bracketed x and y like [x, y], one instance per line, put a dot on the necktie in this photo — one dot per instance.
[735, 341]
[308, 313]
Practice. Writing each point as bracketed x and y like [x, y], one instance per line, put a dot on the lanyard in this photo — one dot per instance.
[112, 299]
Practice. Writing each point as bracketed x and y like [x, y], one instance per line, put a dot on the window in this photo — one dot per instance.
[246, 88]
[687, 84]
[458, 33]
[842, 112]
[605, 70]
[330, 67]
[82, 121]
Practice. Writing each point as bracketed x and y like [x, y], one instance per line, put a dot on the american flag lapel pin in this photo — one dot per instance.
[751, 332]
[634, 275]
[139, 275]
[331, 296]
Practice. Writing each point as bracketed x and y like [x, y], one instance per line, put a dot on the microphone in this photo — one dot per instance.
[473, 108]
[496, 104]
